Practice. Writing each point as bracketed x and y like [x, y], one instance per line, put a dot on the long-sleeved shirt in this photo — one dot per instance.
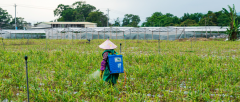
[104, 61]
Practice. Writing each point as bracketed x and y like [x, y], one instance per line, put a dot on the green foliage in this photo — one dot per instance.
[159, 19]
[5, 18]
[233, 29]
[61, 73]
[7, 22]
[98, 17]
[117, 22]
[78, 11]
[131, 20]
[20, 22]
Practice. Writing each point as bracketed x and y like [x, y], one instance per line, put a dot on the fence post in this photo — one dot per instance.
[130, 33]
[98, 34]
[159, 34]
[52, 33]
[123, 35]
[92, 33]
[152, 35]
[210, 32]
[184, 32]
[104, 34]
[61, 35]
[64, 33]
[111, 33]
[86, 33]
[138, 34]
[80, 35]
[176, 34]
[15, 36]
[195, 35]
[145, 34]
[167, 34]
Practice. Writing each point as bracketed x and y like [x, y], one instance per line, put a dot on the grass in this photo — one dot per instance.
[209, 71]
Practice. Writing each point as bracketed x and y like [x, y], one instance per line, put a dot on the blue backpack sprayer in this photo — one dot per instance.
[116, 63]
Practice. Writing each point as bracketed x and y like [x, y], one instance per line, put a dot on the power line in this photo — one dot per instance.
[36, 8]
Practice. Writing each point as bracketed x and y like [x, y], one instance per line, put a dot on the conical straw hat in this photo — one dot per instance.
[108, 45]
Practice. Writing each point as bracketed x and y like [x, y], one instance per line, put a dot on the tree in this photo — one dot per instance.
[97, 17]
[131, 20]
[82, 10]
[159, 19]
[20, 22]
[117, 22]
[211, 19]
[233, 29]
[78, 11]
[5, 18]
[222, 19]
[189, 22]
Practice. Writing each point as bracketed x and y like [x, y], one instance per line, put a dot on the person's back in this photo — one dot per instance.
[109, 47]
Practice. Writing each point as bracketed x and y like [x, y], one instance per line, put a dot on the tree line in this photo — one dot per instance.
[8, 22]
[82, 12]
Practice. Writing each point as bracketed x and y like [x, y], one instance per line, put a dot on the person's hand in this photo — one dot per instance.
[101, 73]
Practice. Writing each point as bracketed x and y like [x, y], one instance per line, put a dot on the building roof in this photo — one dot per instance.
[24, 31]
[69, 23]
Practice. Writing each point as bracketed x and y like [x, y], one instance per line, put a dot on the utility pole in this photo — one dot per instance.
[15, 18]
[108, 16]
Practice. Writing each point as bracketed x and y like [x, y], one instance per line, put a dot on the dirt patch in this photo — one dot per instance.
[195, 39]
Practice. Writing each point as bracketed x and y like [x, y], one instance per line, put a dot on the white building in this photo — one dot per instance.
[45, 25]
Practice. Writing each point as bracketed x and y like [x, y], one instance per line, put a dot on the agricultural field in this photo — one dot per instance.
[61, 71]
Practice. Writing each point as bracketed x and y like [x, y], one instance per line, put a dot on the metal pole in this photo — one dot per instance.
[145, 34]
[159, 34]
[167, 34]
[120, 47]
[98, 34]
[72, 36]
[123, 35]
[108, 17]
[80, 35]
[92, 33]
[138, 34]
[159, 46]
[27, 77]
[15, 18]
[86, 33]
[104, 34]
[152, 35]
[184, 32]
[191, 43]
[3, 44]
[130, 33]
[176, 34]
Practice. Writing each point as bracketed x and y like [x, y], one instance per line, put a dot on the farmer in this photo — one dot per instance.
[109, 47]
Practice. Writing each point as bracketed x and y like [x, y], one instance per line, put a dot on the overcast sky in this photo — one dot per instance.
[42, 10]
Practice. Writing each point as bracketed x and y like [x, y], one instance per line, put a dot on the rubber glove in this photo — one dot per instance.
[101, 73]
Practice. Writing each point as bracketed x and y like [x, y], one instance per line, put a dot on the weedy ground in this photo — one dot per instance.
[179, 71]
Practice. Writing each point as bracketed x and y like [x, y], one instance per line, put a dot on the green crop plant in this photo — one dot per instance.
[209, 72]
